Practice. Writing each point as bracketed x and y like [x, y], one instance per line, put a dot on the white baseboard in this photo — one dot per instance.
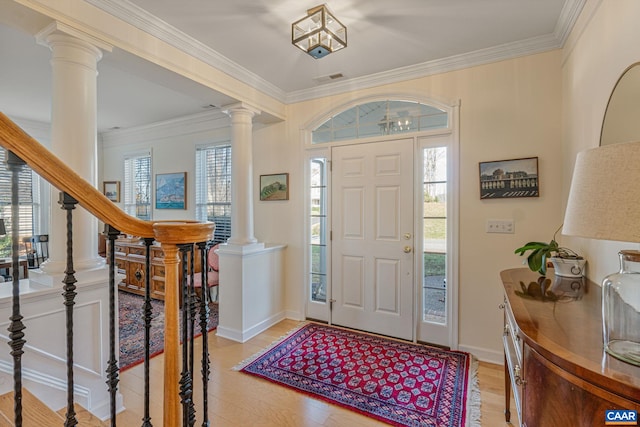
[484, 354]
[248, 333]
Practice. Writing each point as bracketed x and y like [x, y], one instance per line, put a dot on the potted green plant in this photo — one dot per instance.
[566, 262]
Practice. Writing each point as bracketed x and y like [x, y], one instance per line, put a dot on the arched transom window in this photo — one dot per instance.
[379, 118]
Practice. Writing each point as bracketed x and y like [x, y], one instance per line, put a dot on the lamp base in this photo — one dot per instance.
[627, 351]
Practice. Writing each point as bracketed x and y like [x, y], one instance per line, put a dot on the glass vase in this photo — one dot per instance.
[621, 309]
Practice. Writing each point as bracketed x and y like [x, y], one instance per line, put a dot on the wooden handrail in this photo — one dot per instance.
[51, 168]
[169, 234]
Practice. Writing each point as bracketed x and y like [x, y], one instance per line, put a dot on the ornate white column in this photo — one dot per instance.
[242, 177]
[74, 59]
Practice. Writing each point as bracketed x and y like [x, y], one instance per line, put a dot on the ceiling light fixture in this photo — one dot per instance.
[319, 33]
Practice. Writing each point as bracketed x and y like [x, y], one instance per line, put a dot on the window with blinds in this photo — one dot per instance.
[25, 203]
[213, 188]
[137, 186]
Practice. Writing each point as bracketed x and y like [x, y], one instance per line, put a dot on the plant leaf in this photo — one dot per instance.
[530, 247]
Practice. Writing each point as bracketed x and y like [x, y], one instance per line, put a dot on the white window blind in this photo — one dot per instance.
[213, 188]
[137, 185]
[25, 202]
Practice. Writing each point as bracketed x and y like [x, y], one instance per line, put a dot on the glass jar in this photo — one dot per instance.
[621, 309]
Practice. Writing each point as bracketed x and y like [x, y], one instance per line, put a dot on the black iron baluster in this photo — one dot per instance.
[112, 365]
[186, 381]
[68, 203]
[16, 328]
[192, 310]
[204, 248]
[146, 421]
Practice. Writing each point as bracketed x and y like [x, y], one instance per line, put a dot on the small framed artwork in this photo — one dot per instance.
[111, 189]
[171, 190]
[274, 186]
[502, 179]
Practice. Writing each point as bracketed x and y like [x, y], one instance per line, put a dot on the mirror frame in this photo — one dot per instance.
[620, 89]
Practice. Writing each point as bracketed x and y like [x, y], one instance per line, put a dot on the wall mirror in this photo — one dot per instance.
[622, 117]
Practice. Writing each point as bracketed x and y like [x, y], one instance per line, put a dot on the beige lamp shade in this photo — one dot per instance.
[604, 200]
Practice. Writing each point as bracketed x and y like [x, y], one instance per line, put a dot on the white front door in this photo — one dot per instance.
[372, 255]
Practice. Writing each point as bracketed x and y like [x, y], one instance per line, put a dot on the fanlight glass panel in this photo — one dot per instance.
[380, 118]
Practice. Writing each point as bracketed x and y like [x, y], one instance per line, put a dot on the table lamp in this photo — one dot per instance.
[604, 203]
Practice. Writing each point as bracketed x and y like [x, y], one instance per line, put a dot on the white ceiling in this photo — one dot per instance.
[250, 39]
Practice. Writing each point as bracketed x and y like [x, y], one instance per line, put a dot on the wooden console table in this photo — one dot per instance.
[130, 256]
[554, 355]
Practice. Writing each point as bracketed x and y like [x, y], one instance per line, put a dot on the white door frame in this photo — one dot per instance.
[322, 311]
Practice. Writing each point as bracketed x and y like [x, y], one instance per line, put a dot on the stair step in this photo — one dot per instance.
[84, 417]
[37, 414]
[34, 412]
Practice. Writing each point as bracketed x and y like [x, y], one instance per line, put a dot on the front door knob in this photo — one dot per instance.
[407, 249]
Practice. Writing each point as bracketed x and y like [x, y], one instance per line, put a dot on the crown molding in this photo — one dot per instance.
[179, 126]
[457, 62]
[568, 17]
[138, 17]
[145, 21]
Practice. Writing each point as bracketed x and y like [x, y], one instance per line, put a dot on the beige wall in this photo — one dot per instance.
[509, 109]
[603, 44]
[548, 105]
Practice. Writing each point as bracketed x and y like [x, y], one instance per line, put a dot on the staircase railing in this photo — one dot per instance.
[177, 239]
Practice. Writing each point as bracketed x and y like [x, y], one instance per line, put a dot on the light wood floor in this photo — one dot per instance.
[237, 399]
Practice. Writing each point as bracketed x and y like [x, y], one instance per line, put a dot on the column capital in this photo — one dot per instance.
[240, 107]
[45, 37]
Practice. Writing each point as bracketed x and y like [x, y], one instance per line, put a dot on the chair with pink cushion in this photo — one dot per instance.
[212, 274]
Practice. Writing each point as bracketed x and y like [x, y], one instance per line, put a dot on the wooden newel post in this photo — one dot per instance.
[170, 234]
[172, 413]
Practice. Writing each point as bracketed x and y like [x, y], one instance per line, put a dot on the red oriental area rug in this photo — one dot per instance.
[397, 382]
[131, 328]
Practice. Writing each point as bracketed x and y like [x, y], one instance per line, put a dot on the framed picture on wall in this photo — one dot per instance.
[274, 187]
[111, 189]
[171, 190]
[501, 179]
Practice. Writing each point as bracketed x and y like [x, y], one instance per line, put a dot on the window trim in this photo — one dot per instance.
[201, 202]
[128, 204]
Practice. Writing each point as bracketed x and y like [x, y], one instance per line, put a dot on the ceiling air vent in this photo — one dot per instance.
[328, 78]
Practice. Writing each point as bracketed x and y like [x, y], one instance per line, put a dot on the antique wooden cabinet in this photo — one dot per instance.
[130, 255]
[555, 362]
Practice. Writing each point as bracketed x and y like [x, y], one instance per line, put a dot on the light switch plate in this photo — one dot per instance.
[500, 226]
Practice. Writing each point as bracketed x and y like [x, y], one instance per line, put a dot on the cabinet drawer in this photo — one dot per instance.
[513, 357]
[157, 270]
[121, 265]
[142, 251]
[511, 327]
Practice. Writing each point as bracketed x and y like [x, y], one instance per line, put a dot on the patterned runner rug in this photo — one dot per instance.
[397, 382]
[131, 322]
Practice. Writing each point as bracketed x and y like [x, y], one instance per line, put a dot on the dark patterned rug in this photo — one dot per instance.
[132, 328]
[400, 383]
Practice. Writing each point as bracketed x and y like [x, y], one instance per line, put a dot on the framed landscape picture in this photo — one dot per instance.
[274, 186]
[509, 178]
[111, 189]
[171, 190]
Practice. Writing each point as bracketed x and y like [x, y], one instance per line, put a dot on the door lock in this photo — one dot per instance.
[407, 236]
[407, 249]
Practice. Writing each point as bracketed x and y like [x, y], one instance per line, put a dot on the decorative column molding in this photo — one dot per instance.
[242, 238]
[74, 59]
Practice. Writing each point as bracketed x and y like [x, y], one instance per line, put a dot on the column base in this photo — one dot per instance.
[58, 267]
[235, 248]
[46, 278]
